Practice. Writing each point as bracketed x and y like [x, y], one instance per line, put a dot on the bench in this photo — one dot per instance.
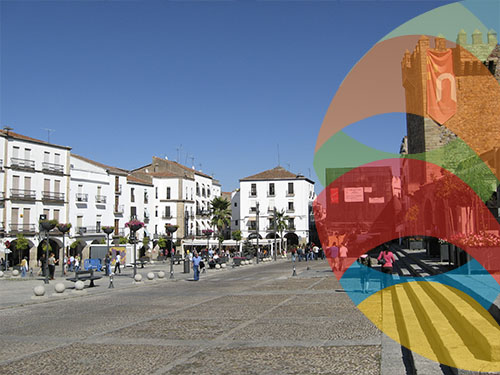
[177, 259]
[137, 263]
[161, 258]
[84, 276]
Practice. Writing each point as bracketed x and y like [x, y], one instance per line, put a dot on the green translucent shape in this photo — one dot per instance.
[345, 153]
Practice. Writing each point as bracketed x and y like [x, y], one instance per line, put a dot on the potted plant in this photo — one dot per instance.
[108, 229]
[134, 225]
[48, 225]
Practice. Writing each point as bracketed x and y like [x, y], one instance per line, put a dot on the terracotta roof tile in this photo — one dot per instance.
[277, 173]
[111, 169]
[26, 138]
[138, 180]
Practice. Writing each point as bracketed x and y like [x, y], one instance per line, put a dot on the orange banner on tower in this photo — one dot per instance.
[441, 86]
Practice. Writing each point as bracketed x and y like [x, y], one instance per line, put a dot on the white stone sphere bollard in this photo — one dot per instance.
[138, 278]
[243, 262]
[161, 275]
[59, 288]
[79, 285]
[223, 265]
[39, 290]
[217, 266]
[15, 273]
[1, 273]
[249, 262]
[151, 275]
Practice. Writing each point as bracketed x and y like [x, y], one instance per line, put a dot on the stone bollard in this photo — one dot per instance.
[161, 275]
[138, 278]
[79, 285]
[223, 265]
[39, 291]
[249, 261]
[15, 273]
[150, 275]
[217, 266]
[59, 288]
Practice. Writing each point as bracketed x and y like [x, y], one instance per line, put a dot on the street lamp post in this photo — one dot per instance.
[108, 231]
[275, 229]
[171, 230]
[257, 226]
[134, 225]
[47, 225]
[63, 228]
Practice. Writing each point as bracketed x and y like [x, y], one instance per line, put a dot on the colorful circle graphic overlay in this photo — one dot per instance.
[441, 189]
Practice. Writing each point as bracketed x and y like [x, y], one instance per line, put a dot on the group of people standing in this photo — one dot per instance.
[309, 252]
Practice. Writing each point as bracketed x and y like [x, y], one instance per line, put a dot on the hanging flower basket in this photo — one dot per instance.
[171, 228]
[108, 229]
[134, 225]
[63, 228]
[207, 232]
[48, 225]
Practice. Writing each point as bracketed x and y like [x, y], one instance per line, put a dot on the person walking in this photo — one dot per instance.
[77, 263]
[334, 254]
[343, 256]
[386, 260]
[52, 265]
[365, 265]
[196, 264]
[24, 267]
[43, 261]
[117, 263]
[71, 263]
[107, 265]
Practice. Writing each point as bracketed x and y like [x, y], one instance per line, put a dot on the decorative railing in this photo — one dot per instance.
[22, 228]
[53, 168]
[17, 163]
[100, 199]
[82, 197]
[22, 194]
[119, 209]
[52, 196]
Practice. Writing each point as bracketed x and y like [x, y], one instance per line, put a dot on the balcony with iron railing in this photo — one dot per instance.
[271, 194]
[118, 189]
[52, 168]
[252, 194]
[23, 164]
[89, 229]
[290, 210]
[119, 209]
[49, 196]
[22, 228]
[166, 215]
[100, 199]
[82, 197]
[2, 195]
[290, 194]
[20, 194]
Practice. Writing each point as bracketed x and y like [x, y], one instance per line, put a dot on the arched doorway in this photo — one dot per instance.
[270, 236]
[54, 247]
[16, 255]
[76, 248]
[253, 236]
[292, 239]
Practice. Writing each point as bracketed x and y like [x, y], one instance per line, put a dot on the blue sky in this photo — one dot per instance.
[121, 81]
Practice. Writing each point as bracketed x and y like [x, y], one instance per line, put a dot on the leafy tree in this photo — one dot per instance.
[145, 241]
[22, 244]
[236, 235]
[123, 240]
[281, 223]
[221, 216]
[248, 249]
[162, 243]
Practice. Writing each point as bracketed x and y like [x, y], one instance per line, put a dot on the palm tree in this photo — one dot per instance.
[281, 224]
[236, 235]
[221, 215]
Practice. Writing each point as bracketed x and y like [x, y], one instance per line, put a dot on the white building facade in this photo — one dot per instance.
[253, 205]
[35, 178]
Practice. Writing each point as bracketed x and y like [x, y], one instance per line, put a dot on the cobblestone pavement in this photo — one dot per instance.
[254, 320]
